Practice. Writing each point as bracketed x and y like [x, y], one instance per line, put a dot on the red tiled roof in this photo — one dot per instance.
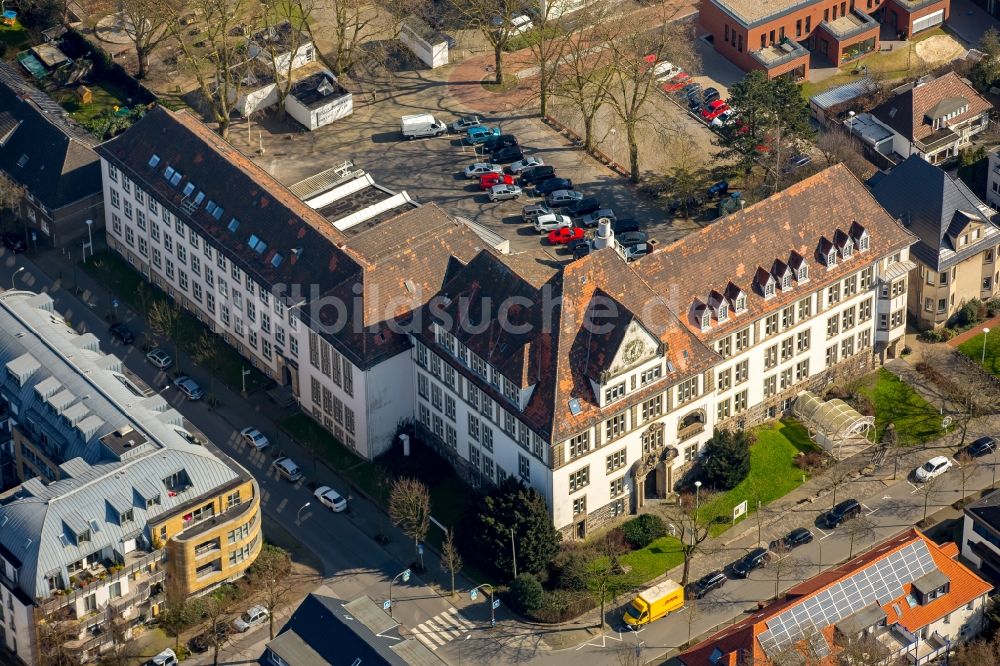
[906, 112]
[965, 586]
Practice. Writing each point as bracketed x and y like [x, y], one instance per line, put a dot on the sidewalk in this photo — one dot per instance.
[991, 324]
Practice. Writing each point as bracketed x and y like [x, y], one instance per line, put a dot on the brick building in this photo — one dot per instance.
[781, 36]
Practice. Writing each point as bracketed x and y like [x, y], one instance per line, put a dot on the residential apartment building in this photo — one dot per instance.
[119, 499]
[981, 535]
[606, 399]
[993, 178]
[505, 373]
[906, 599]
[958, 239]
[53, 159]
[310, 290]
[781, 37]
[932, 118]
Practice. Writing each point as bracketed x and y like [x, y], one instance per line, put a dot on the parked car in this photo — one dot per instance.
[583, 206]
[204, 641]
[580, 248]
[933, 468]
[160, 358]
[565, 235]
[632, 238]
[465, 123]
[251, 618]
[538, 174]
[665, 70]
[498, 142]
[504, 192]
[710, 95]
[526, 163]
[165, 658]
[553, 184]
[482, 168]
[189, 387]
[254, 438]
[552, 221]
[481, 134]
[330, 498]
[707, 583]
[694, 105]
[677, 83]
[800, 161]
[850, 508]
[486, 181]
[718, 189]
[796, 537]
[633, 252]
[563, 198]
[727, 117]
[507, 155]
[624, 225]
[592, 219]
[14, 242]
[531, 212]
[690, 89]
[755, 559]
[713, 110]
[122, 333]
[982, 447]
[287, 469]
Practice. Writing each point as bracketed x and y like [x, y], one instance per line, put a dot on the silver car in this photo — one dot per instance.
[551, 222]
[526, 163]
[189, 387]
[591, 219]
[504, 192]
[562, 198]
[465, 123]
[160, 358]
[531, 212]
[481, 169]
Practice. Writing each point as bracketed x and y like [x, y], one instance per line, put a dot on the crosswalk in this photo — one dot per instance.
[443, 627]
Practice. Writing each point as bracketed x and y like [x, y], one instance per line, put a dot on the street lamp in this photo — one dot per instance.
[986, 332]
[405, 575]
[474, 592]
[613, 132]
[14, 275]
[697, 496]
[298, 516]
[90, 236]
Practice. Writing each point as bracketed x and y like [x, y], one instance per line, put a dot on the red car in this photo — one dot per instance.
[565, 235]
[676, 83]
[488, 180]
[714, 109]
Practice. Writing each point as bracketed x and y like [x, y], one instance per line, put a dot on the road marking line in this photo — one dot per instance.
[869, 509]
[434, 632]
[825, 534]
[462, 622]
[424, 639]
[448, 631]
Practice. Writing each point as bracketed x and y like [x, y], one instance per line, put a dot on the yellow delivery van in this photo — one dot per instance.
[654, 603]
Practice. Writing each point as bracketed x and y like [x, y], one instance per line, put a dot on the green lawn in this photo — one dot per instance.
[652, 561]
[126, 284]
[106, 96]
[973, 348]
[773, 473]
[13, 38]
[917, 421]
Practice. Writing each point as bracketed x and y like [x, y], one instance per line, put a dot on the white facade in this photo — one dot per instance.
[17, 619]
[335, 108]
[424, 43]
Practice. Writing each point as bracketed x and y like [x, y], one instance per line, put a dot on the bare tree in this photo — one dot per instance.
[213, 53]
[493, 19]
[146, 26]
[350, 21]
[272, 578]
[862, 649]
[584, 78]
[451, 560]
[178, 615]
[54, 632]
[164, 318]
[634, 77]
[283, 34]
[123, 650]
[410, 509]
[630, 655]
[606, 581]
[967, 468]
[206, 353]
[783, 566]
[927, 489]
[214, 608]
[857, 529]
[977, 652]
[11, 193]
[547, 50]
[836, 480]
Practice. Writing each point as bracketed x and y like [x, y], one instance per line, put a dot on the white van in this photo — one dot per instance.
[520, 24]
[165, 658]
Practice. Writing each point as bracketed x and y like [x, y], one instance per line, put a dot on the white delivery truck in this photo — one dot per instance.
[421, 124]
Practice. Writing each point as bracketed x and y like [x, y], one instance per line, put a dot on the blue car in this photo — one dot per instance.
[481, 134]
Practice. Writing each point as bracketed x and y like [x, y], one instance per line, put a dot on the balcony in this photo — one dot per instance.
[916, 650]
[781, 53]
[686, 432]
[850, 25]
[197, 528]
[138, 566]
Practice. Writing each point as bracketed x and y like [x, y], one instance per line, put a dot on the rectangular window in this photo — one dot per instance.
[725, 347]
[687, 390]
[579, 445]
[771, 325]
[580, 505]
[771, 356]
[788, 317]
[741, 372]
[787, 348]
[740, 402]
[722, 410]
[524, 467]
[724, 379]
[615, 461]
[742, 339]
[831, 356]
[865, 310]
[474, 427]
[798, 27]
[770, 386]
[802, 341]
[805, 308]
[614, 427]
[617, 487]
[652, 408]
[847, 319]
[832, 326]
[833, 294]
[801, 370]
[614, 393]
[579, 479]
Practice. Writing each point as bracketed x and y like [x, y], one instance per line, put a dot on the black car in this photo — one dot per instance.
[552, 184]
[844, 511]
[709, 95]
[203, 642]
[498, 142]
[122, 333]
[694, 105]
[706, 584]
[584, 206]
[690, 89]
[982, 447]
[718, 189]
[14, 243]
[624, 225]
[538, 174]
[507, 155]
[796, 537]
[755, 559]
[580, 248]
[632, 238]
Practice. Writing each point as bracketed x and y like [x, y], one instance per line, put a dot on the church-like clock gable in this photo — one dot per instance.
[636, 347]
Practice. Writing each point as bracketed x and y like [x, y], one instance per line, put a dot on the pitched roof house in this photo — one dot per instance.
[907, 597]
[958, 238]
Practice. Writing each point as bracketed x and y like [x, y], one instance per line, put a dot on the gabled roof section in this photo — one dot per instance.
[41, 147]
[800, 219]
[933, 206]
[911, 111]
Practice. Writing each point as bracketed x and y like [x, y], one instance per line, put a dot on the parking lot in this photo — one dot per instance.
[430, 170]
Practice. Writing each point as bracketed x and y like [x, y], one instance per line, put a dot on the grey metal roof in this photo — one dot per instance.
[857, 622]
[80, 381]
[844, 93]
[930, 581]
[931, 204]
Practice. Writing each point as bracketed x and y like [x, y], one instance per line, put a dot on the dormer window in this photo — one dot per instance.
[83, 537]
[803, 274]
[831, 258]
[706, 319]
[723, 311]
[847, 250]
[786, 281]
[769, 289]
[741, 303]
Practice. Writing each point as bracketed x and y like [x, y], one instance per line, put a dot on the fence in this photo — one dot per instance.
[76, 46]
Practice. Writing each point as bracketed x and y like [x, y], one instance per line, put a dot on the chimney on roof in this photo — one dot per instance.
[605, 234]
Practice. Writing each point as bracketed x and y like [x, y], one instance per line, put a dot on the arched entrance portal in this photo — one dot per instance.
[653, 473]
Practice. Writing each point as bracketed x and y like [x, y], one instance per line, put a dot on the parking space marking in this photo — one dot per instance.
[869, 509]
[915, 487]
[825, 534]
